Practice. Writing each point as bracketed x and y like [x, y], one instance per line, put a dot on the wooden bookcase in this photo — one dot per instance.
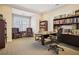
[68, 38]
[43, 26]
[73, 20]
[3, 32]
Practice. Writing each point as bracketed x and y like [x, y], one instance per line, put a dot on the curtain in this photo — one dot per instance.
[21, 22]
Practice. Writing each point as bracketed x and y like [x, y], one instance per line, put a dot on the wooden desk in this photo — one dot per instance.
[37, 36]
[65, 38]
[43, 36]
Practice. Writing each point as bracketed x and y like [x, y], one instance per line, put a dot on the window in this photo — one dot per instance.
[21, 22]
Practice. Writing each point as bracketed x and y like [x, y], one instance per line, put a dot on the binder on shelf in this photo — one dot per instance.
[61, 21]
[70, 20]
[77, 20]
[67, 21]
[74, 20]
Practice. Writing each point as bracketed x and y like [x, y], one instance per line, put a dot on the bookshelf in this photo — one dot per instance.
[3, 32]
[43, 26]
[70, 35]
[73, 20]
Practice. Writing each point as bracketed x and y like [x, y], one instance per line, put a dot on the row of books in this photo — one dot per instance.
[66, 21]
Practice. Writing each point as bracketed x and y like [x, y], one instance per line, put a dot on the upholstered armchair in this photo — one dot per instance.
[16, 33]
[29, 32]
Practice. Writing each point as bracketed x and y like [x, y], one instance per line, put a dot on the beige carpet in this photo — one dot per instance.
[28, 46]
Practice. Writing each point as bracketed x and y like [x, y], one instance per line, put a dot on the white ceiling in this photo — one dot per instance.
[37, 8]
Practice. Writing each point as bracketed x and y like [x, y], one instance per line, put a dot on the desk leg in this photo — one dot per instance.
[42, 40]
[35, 38]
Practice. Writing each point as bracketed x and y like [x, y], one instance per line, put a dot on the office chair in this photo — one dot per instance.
[55, 43]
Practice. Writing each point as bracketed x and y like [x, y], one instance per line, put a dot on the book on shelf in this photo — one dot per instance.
[68, 21]
[61, 21]
[57, 22]
[77, 20]
[74, 20]
[65, 21]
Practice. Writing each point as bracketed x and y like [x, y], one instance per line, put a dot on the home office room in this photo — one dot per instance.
[39, 29]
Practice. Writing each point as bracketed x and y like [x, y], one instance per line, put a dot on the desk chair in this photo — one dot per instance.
[55, 43]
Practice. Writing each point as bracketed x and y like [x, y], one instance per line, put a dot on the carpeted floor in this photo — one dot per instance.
[28, 46]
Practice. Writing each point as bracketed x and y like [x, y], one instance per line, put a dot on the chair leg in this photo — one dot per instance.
[49, 48]
[61, 48]
[56, 50]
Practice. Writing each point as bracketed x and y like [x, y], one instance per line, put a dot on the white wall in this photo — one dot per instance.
[69, 8]
[34, 18]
